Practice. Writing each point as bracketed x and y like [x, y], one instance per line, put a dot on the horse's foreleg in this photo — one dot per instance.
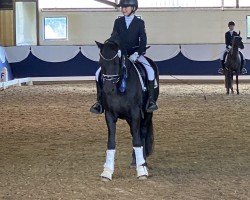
[141, 168]
[110, 153]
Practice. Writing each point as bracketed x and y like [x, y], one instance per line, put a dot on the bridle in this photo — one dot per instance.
[236, 42]
[109, 59]
[114, 78]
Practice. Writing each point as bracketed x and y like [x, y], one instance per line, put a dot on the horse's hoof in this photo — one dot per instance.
[142, 178]
[105, 179]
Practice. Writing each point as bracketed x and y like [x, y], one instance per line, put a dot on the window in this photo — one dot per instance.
[180, 3]
[55, 28]
[244, 3]
[248, 27]
[229, 3]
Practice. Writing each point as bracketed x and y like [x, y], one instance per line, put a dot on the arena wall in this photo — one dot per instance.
[181, 26]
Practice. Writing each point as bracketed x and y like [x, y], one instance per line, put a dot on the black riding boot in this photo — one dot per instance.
[222, 70]
[97, 108]
[151, 104]
[243, 70]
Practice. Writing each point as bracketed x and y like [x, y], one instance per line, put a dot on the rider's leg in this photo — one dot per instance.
[221, 70]
[97, 108]
[151, 104]
[243, 64]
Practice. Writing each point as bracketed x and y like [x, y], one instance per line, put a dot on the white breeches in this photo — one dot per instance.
[144, 62]
[149, 69]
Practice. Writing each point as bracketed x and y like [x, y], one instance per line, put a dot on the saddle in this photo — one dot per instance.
[142, 73]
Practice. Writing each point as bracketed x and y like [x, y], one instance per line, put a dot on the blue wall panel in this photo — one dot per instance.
[82, 66]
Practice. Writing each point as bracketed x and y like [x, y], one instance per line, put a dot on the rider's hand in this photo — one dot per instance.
[228, 48]
[134, 57]
[119, 53]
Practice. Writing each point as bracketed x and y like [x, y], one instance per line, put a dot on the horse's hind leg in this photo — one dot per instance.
[133, 162]
[110, 153]
[231, 83]
[237, 83]
[232, 90]
[227, 82]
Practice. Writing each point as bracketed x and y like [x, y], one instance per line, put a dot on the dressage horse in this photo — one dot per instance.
[233, 64]
[128, 104]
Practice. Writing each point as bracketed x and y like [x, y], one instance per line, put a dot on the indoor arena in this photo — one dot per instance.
[61, 94]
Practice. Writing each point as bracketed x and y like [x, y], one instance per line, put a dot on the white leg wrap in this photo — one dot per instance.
[139, 156]
[141, 170]
[107, 173]
[109, 164]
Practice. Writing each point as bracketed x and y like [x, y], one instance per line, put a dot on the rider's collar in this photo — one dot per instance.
[131, 17]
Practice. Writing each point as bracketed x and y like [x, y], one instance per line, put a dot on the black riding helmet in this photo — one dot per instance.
[231, 23]
[126, 3]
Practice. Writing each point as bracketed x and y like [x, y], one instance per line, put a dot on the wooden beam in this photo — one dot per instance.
[107, 2]
[237, 3]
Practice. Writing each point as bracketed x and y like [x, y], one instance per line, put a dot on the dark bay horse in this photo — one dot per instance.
[233, 64]
[128, 105]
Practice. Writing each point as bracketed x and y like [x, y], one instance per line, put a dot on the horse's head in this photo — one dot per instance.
[110, 63]
[237, 41]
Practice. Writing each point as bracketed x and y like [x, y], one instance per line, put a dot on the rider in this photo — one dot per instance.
[228, 40]
[131, 31]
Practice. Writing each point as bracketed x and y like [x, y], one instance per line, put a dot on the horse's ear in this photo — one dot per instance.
[239, 33]
[100, 45]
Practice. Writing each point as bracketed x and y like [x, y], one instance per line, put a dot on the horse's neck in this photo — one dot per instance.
[234, 51]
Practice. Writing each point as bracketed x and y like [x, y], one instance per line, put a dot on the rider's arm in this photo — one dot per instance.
[115, 29]
[143, 39]
[227, 40]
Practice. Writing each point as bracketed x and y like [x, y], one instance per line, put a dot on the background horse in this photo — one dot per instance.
[233, 64]
[128, 105]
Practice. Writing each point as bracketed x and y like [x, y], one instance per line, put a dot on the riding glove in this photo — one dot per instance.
[119, 53]
[134, 57]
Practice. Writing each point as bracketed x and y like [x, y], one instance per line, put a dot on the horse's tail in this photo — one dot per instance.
[149, 139]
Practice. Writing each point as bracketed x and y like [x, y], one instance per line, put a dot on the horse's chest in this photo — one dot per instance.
[118, 104]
